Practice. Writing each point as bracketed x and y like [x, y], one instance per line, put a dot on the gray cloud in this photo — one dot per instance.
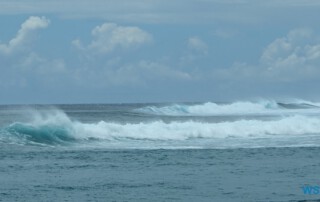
[165, 11]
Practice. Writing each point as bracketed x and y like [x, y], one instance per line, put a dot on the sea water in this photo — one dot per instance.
[241, 151]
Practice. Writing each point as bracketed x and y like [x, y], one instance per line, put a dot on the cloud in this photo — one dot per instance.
[110, 36]
[166, 11]
[196, 49]
[24, 34]
[282, 48]
[21, 66]
[196, 44]
[294, 57]
[119, 73]
[41, 66]
[31, 69]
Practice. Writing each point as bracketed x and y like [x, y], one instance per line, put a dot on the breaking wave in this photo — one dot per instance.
[263, 107]
[56, 128]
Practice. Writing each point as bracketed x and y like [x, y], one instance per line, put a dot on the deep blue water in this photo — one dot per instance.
[245, 151]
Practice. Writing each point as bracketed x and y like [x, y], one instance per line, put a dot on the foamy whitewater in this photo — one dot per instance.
[241, 151]
[208, 125]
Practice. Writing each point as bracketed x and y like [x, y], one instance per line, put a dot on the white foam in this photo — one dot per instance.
[283, 131]
[263, 107]
[159, 130]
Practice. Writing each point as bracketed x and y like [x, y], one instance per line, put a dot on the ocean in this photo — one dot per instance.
[241, 151]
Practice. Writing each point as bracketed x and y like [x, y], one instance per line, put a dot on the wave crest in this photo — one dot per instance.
[42, 134]
[237, 108]
[59, 129]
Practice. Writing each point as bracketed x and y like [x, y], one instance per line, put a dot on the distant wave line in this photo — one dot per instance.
[263, 107]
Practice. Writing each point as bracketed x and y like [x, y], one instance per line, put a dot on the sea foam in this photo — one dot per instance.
[262, 107]
[56, 128]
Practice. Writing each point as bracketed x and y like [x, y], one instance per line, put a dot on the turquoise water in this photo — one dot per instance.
[245, 151]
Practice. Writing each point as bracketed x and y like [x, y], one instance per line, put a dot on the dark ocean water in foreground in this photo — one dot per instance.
[243, 151]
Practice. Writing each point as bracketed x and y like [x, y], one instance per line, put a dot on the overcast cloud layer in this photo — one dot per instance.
[165, 11]
[155, 51]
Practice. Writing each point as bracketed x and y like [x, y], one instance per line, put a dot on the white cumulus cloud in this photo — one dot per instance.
[24, 34]
[294, 57]
[110, 36]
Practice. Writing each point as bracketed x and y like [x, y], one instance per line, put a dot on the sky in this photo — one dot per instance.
[129, 51]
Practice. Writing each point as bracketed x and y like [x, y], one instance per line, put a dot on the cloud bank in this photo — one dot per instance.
[113, 57]
[165, 11]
